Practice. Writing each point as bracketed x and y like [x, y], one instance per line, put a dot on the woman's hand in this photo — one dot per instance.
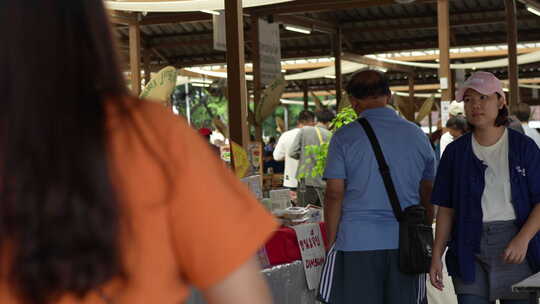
[436, 273]
[516, 251]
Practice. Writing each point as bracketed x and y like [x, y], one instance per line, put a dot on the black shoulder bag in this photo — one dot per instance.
[415, 237]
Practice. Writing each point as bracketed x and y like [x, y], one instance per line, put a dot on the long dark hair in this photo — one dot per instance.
[57, 204]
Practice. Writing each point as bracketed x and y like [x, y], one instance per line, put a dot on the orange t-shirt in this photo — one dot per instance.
[187, 220]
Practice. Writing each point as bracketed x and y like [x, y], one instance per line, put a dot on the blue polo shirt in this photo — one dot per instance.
[367, 221]
[460, 184]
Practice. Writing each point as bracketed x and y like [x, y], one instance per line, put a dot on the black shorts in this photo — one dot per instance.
[369, 277]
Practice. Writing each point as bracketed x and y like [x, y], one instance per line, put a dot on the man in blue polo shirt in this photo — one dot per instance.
[362, 266]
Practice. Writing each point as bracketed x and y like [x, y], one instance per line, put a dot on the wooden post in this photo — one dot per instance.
[236, 80]
[306, 94]
[412, 106]
[445, 76]
[256, 57]
[337, 63]
[135, 57]
[146, 65]
[511, 30]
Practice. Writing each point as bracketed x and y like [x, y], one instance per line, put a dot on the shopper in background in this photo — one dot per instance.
[311, 188]
[522, 112]
[456, 126]
[456, 109]
[206, 134]
[285, 141]
[106, 198]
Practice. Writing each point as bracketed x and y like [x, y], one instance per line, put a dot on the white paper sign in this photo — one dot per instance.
[254, 184]
[280, 198]
[270, 50]
[444, 83]
[219, 32]
[312, 249]
[445, 112]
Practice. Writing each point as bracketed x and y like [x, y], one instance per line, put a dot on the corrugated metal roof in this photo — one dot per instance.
[368, 30]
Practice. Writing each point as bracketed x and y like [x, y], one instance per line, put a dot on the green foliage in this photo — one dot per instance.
[319, 153]
[269, 124]
[203, 106]
[344, 117]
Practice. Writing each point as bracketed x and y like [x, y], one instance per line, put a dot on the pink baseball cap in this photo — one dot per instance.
[482, 82]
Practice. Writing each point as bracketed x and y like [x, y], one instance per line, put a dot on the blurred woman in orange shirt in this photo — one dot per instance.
[105, 198]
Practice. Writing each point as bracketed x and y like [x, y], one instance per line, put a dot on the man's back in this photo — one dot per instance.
[367, 221]
[309, 136]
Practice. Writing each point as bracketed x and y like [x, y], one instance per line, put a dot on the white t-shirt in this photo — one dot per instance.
[532, 133]
[281, 152]
[446, 139]
[497, 198]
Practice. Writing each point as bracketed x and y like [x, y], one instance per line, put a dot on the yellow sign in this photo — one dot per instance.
[241, 160]
[161, 86]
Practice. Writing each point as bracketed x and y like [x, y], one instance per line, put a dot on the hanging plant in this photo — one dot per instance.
[319, 153]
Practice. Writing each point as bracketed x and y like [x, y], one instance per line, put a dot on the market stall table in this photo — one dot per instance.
[531, 285]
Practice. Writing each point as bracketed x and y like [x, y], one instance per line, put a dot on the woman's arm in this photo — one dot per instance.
[517, 249]
[244, 285]
[442, 234]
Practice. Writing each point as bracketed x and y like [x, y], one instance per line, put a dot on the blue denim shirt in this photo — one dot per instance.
[367, 221]
[460, 184]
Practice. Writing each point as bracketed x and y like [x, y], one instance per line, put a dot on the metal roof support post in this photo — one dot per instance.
[337, 62]
[445, 76]
[235, 73]
[511, 30]
[135, 57]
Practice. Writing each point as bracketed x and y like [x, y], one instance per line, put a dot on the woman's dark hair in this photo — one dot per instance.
[57, 204]
[502, 117]
[368, 83]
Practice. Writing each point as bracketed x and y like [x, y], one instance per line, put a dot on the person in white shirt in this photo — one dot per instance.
[523, 113]
[456, 109]
[281, 152]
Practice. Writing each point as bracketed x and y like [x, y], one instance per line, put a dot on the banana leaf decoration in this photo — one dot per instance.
[270, 99]
[318, 103]
[280, 124]
[425, 109]
[221, 126]
[161, 86]
[405, 107]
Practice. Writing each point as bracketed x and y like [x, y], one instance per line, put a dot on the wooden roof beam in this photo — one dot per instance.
[315, 25]
[311, 6]
[189, 17]
[429, 26]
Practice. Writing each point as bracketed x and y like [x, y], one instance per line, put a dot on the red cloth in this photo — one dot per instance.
[283, 246]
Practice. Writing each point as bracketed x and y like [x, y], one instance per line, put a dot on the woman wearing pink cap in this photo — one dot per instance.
[487, 189]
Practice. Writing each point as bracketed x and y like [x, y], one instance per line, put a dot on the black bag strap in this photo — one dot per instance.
[383, 168]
